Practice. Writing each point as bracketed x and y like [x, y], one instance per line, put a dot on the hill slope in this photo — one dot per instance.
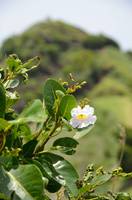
[98, 60]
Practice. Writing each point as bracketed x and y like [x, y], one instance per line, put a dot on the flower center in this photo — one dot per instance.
[81, 116]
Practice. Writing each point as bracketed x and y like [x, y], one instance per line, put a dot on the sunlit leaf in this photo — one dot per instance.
[27, 183]
[66, 171]
[66, 145]
[11, 83]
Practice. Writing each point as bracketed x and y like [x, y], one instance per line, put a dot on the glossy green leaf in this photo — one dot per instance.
[2, 101]
[49, 93]
[34, 112]
[66, 145]
[67, 103]
[82, 132]
[11, 98]
[27, 183]
[54, 180]
[11, 83]
[66, 171]
[2, 73]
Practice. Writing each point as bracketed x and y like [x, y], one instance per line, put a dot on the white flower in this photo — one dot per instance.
[82, 117]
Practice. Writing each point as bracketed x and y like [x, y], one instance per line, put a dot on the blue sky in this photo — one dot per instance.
[112, 17]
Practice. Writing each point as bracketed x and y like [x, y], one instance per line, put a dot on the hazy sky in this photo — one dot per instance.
[112, 17]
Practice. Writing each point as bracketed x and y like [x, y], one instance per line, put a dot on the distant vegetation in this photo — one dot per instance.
[65, 49]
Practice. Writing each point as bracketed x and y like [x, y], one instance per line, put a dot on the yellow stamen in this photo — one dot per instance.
[81, 116]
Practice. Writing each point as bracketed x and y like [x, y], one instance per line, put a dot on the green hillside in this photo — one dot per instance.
[65, 49]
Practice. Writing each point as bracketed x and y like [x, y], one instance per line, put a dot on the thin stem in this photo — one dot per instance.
[122, 142]
[43, 126]
[51, 133]
[44, 140]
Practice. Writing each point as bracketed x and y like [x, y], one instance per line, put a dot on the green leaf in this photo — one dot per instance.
[34, 113]
[123, 196]
[27, 183]
[54, 180]
[2, 101]
[66, 145]
[49, 93]
[4, 181]
[81, 133]
[84, 189]
[3, 197]
[32, 63]
[100, 179]
[68, 174]
[11, 83]
[13, 62]
[3, 124]
[9, 161]
[67, 103]
[29, 148]
[24, 131]
[11, 98]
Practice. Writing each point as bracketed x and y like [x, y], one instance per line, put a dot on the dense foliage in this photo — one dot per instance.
[28, 169]
[64, 49]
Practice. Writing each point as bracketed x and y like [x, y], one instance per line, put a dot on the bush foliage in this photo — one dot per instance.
[65, 49]
[29, 170]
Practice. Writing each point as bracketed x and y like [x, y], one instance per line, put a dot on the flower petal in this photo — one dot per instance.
[74, 123]
[92, 119]
[78, 120]
[82, 125]
[75, 111]
[88, 110]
